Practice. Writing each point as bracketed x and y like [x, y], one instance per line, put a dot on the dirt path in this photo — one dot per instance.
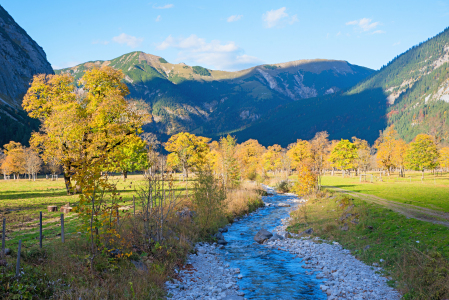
[408, 210]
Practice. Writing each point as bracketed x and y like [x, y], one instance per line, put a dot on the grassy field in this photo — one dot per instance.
[22, 200]
[432, 192]
[414, 253]
[70, 270]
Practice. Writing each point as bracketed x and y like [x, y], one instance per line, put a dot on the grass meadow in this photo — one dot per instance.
[22, 200]
[432, 192]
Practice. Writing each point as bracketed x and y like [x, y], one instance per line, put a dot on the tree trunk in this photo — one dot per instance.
[125, 175]
[68, 184]
[422, 176]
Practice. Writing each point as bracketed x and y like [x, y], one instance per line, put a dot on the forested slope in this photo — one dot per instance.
[411, 92]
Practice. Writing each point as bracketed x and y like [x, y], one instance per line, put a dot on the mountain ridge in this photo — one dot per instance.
[411, 93]
[206, 101]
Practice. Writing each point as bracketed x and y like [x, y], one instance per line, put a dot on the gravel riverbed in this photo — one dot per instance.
[206, 274]
[344, 277]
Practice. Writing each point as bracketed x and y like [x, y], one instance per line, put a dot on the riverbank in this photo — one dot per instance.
[205, 276]
[412, 253]
[344, 277]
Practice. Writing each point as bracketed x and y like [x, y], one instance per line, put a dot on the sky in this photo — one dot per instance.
[229, 35]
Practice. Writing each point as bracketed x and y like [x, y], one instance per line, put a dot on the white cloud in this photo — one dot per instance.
[397, 43]
[378, 31]
[217, 55]
[234, 18]
[338, 33]
[364, 25]
[278, 17]
[158, 18]
[129, 40]
[166, 6]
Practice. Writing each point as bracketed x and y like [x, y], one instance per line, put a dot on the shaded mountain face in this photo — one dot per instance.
[411, 93]
[210, 102]
[21, 58]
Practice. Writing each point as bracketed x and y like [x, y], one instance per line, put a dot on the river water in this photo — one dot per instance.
[268, 273]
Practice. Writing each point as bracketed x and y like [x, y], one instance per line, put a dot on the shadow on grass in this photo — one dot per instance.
[12, 195]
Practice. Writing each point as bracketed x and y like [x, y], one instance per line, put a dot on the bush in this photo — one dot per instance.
[208, 199]
[283, 186]
[162, 60]
[201, 71]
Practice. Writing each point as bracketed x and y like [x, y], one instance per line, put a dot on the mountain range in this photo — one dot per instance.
[411, 93]
[211, 102]
[273, 103]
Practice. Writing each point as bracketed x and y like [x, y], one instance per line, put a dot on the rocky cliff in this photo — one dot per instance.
[20, 58]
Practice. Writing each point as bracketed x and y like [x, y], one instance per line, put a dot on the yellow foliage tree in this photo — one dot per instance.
[307, 180]
[85, 121]
[363, 152]
[272, 158]
[444, 157]
[385, 146]
[187, 151]
[14, 161]
[249, 156]
[299, 153]
[399, 156]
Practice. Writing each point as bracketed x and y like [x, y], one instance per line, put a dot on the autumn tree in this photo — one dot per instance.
[83, 122]
[271, 159]
[5, 170]
[187, 151]
[132, 157]
[363, 154]
[249, 155]
[399, 156]
[14, 162]
[152, 144]
[344, 155]
[307, 180]
[227, 161]
[32, 163]
[385, 146]
[422, 154]
[299, 153]
[319, 147]
[444, 158]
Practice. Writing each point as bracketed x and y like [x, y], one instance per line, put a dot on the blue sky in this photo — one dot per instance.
[229, 35]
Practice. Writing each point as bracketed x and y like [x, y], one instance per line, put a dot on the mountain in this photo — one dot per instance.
[210, 102]
[21, 58]
[411, 92]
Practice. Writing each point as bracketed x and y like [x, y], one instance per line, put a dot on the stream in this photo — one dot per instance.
[268, 273]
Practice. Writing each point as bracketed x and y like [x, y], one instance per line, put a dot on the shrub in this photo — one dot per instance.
[283, 186]
[201, 71]
[208, 199]
[162, 60]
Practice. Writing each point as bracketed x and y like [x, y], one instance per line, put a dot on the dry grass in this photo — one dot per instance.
[242, 200]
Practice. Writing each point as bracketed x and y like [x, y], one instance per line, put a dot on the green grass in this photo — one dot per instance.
[432, 192]
[381, 236]
[22, 200]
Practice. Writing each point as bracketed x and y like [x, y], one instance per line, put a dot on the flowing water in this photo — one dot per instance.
[268, 273]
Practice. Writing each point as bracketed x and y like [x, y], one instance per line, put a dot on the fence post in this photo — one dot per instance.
[134, 205]
[40, 229]
[62, 227]
[118, 218]
[18, 259]
[3, 236]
